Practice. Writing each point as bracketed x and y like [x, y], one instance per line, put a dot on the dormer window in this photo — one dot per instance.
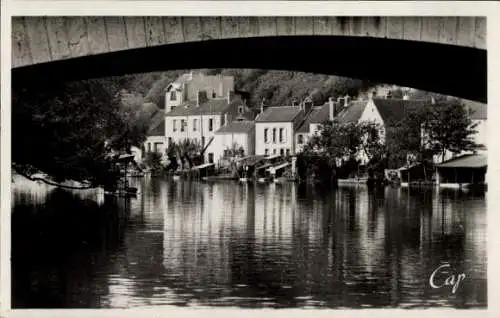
[240, 109]
[173, 96]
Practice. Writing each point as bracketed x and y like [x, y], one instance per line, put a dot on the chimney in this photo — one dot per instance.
[230, 96]
[433, 100]
[331, 108]
[308, 104]
[225, 119]
[346, 100]
[262, 105]
[221, 86]
[201, 97]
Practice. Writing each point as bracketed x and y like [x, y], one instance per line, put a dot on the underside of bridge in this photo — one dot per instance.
[445, 69]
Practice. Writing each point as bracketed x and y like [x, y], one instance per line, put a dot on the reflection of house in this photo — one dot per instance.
[199, 120]
[237, 133]
[312, 124]
[275, 129]
[464, 170]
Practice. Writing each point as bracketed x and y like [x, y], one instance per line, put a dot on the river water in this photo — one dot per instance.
[199, 244]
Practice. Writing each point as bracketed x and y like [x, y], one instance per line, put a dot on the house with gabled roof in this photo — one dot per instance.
[198, 120]
[236, 135]
[383, 111]
[313, 122]
[275, 128]
[186, 87]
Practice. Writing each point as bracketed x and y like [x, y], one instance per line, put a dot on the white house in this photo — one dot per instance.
[313, 121]
[275, 129]
[199, 120]
[237, 133]
[186, 87]
[155, 138]
[382, 111]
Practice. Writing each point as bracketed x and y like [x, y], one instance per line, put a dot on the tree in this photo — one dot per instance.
[448, 128]
[153, 161]
[334, 146]
[234, 151]
[189, 151]
[61, 129]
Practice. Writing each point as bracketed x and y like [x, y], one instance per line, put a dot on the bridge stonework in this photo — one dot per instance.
[44, 39]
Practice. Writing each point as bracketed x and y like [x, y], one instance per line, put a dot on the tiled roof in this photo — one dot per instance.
[211, 106]
[396, 109]
[479, 111]
[237, 127]
[279, 114]
[352, 113]
[317, 116]
[467, 161]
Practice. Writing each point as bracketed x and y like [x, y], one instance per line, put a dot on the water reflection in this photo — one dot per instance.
[230, 244]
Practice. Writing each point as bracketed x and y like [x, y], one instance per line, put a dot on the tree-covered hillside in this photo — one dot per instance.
[277, 87]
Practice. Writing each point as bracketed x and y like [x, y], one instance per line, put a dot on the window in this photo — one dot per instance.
[288, 151]
[265, 135]
[266, 152]
[157, 146]
[301, 139]
[210, 124]
[195, 124]
[183, 124]
[174, 125]
[274, 151]
[149, 147]
[210, 157]
[240, 109]
[223, 120]
[274, 135]
[281, 136]
[282, 152]
[214, 94]
[173, 96]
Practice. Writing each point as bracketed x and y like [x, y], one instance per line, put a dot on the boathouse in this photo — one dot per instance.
[462, 171]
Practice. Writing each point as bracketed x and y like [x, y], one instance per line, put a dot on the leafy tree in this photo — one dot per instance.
[153, 161]
[62, 129]
[448, 127]
[334, 146]
[189, 151]
[234, 151]
[371, 141]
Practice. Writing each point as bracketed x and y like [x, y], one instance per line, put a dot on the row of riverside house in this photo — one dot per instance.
[206, 108]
